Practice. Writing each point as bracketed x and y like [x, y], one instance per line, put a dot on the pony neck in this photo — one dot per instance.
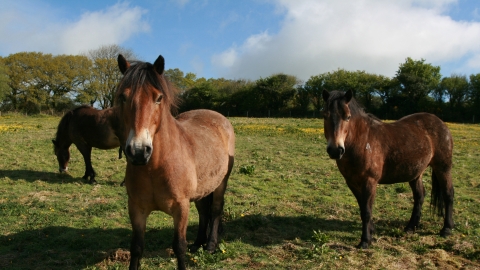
[358, 131]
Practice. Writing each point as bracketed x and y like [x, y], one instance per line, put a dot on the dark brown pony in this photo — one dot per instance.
[369, 152]
[86, 127]
[171, 161]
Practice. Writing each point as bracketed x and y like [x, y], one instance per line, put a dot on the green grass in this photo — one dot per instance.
[287, 207]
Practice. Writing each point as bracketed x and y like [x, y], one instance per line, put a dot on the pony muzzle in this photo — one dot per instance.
[335, 152]
[139, 148]
[139, 154]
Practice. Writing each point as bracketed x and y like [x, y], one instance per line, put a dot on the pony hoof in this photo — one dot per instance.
[409, 230]
[93, 182]
[445, 232]
[210, 249]
[363, 245]
[193, 248]
[123, 183]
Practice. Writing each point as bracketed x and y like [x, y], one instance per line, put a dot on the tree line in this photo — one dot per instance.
[33, 82]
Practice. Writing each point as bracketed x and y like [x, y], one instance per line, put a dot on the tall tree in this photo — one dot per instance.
[474, 95]
[416, 80]
[455, 88]
[105, 74]
[4, 79]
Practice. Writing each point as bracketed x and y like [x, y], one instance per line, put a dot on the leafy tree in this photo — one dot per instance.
[455, 88]
[274, 93]
[4, 80]
[22, 69]
[368, 88]
[313, 87]
[416, 80]
[105, 74]
[474, 95]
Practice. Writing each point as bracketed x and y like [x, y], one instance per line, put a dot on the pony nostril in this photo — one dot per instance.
[148, 150]
[342, 150]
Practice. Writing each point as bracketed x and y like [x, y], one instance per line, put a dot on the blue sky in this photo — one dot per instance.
[255, 38]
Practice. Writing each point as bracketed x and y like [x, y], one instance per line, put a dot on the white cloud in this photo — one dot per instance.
[371, 35]
[30, 30]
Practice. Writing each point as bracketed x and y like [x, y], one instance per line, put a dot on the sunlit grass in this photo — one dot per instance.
[287, 207]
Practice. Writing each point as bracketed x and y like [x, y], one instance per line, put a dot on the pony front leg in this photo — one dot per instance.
[180, 221]
[365, 199]
[138, 218]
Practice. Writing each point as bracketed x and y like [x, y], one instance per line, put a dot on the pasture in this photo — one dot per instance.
[287, 207]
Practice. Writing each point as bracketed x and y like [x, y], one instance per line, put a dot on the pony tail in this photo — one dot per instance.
[437, 201]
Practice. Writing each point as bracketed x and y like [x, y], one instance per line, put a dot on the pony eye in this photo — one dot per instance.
[122, 98]
[159, 99]
[348, 118]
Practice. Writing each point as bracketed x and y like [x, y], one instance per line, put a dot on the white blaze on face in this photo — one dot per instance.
[138, 141]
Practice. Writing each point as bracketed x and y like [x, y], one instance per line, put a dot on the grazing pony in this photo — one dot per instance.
[171, 161]
[369, 152]
[86, 127]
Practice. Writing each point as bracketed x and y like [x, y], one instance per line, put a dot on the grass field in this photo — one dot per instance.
[287, 207]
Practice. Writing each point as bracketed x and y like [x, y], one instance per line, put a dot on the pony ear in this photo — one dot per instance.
[159, 65]
[325, 95]
[123, 64]
[348, 96]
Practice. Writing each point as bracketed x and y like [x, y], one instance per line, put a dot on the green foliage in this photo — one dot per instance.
[4, 87]
[247, 169]
[416, 80]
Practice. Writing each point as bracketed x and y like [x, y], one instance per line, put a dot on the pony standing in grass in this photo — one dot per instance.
[369, 152]
[86, 127]
[171, 161]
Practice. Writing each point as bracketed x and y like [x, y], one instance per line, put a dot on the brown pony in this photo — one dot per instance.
[86, 127]
[171, 161]
[369, 152]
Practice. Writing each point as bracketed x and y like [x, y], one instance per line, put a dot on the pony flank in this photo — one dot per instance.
[369, 152]
[171, 161]
[86, 127]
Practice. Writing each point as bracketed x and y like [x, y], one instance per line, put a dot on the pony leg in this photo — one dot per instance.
[216, 217]
[86, 152]
[217, 210]
[365, 199]
[180, 221]
[418, 197]
[204, 212]
[138, 219]
[442, 184]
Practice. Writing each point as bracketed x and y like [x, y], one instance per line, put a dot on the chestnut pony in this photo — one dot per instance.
[171, 161]
[369, 152]
[86, 127]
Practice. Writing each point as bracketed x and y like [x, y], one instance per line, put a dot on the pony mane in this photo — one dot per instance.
[64, 122]
[141, 73]
[355, 108]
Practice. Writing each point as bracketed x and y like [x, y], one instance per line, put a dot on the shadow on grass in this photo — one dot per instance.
[31, 176]
[50, 177]
[59, 247]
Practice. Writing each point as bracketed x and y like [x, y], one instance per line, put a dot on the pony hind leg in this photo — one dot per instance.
[442, 198]
[204, 207]
[218, 202]
[418, 198]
